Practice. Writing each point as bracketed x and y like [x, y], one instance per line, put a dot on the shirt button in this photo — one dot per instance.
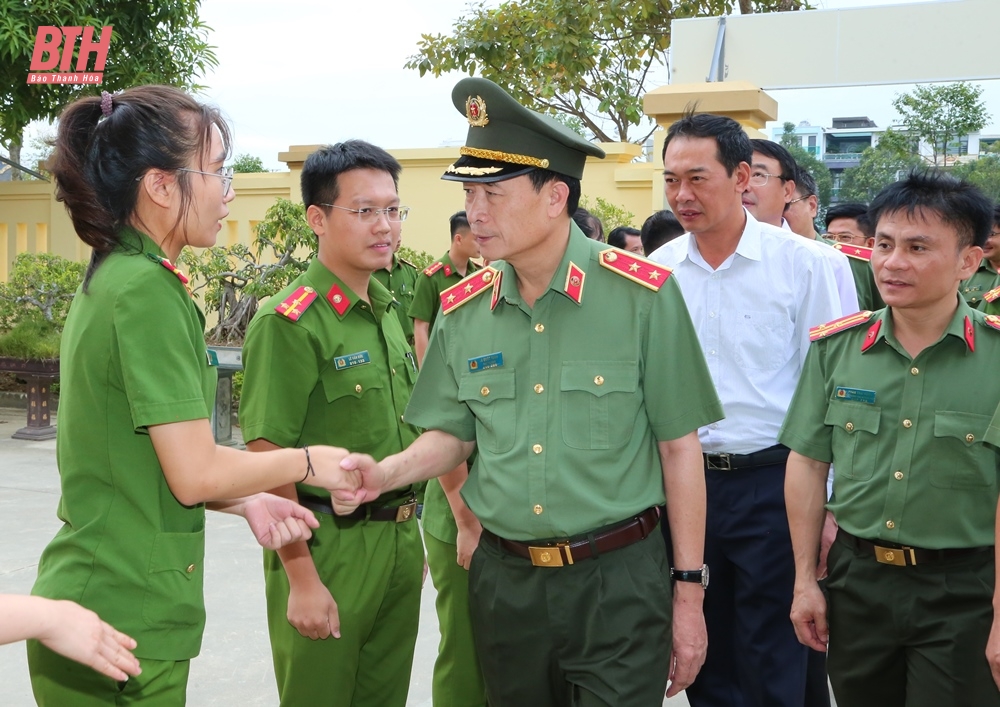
[907, 424]
[190, 568]
[898, 475]
[849, 427]
[537, 449]
[914, 371]
[484, 391]
[393, 371]
[712, 352]
[711, 315]
[890, 525]
[970, 438]
[357, 388]
[539, 328]
[401, 418]
[598, 380]
[539, 387]
[537, 509]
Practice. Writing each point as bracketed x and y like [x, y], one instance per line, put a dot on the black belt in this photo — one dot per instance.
[721, 461]
[903, 555]
[398, 514]
[581, 547]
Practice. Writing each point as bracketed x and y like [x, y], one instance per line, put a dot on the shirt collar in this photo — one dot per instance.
[748, 246]
[959, 327]
[329, 286]
[132, 240]
[579, 251]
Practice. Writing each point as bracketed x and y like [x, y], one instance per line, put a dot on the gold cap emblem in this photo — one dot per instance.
[475, 111]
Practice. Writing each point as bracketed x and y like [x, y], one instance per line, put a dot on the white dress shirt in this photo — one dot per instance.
[753, 316]
[842, 273]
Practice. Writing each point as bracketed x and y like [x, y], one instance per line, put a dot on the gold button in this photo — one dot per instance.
[970, 438]
[907, 424]
[401, 418]
[898, 475]
[537, 449]
[539, 388]
[890, 525]
[539, 328]
[393, 371]
[484, 391]
[190, 569]
[914, 371]
[357, 388]
[890, 556]
[538, 510]
[598, 380]
[849, 427]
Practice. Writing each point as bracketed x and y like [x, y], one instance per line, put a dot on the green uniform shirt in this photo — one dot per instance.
[981, 282]
[566, 400]
[133, 355]
[869, 298]
[328, 378]
[426, 302]
[400, 281]
[905, 435]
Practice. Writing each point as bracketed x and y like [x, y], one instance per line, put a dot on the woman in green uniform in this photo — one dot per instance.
[141, 174]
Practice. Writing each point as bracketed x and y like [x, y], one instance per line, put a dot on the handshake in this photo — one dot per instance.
[352, 479]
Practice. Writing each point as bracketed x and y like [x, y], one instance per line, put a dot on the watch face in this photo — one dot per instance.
[704, 576]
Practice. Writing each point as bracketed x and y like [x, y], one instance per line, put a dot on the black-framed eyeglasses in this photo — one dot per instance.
[394, 214]
[226, 175]
[759, 179]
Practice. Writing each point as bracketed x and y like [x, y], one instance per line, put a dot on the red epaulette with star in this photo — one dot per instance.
[993, 321]
[475, 284]
[433, 268]
[645, 272]
[992, 295]
[848, 322]
[854, 251]
[296, 303]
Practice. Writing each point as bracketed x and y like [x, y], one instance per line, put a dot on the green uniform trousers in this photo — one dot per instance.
[60, 682]
[458, 679]
[910, 636]
[592, 634]
[374, 570]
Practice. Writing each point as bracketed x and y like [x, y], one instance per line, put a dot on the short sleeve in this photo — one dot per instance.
[804, 429]
[993, 431]
[161, 346]
[434, 404]
[425, 302]
[678, 389]
[279, 375]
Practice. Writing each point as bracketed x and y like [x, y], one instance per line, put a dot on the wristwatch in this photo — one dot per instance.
[699, 575]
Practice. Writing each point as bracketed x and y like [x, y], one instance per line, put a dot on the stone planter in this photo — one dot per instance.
[39, 374]
[229, 359]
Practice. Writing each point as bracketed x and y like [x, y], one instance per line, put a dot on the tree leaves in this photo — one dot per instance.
[943, 113]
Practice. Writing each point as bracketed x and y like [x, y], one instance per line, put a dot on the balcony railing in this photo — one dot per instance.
[842, 156]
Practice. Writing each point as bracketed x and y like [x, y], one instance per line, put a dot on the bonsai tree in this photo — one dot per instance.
[34, 303]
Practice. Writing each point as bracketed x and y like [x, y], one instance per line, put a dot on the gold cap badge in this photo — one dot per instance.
[475, 111]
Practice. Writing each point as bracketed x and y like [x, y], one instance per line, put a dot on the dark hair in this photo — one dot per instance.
[457, 222]
[733, 143]
[865, 225]
[541, 177]
[771, 149]
[847, 209]
[100, 159]
[589, 224]
[805, 185]
[956, 202]
[617, 236]
[322, 167]
[996, 215]
[662, 227]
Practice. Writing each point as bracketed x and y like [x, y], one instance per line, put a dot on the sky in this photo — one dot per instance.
[301, 72]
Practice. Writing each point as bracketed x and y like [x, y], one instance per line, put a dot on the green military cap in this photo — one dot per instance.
[507, 140]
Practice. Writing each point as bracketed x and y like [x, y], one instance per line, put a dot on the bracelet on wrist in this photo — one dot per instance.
[309, 466]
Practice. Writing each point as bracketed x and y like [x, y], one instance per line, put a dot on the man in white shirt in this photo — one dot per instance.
[753, 291]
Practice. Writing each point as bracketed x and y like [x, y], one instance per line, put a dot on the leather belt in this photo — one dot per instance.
[581, 547]
[721, 461]
[903, 555]
[397, 514]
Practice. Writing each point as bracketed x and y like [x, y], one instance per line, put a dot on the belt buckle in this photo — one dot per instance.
[550, 555]
[406, 511]
[895, 556]
[720, 461]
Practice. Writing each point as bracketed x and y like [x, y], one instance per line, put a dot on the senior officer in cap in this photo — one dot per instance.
[581, 418]
[899, 401]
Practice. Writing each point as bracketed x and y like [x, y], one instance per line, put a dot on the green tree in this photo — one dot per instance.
[984, 173]
[248, 164]
[816, 169]
[40, 288]
[160, 41]
[589, 60]
[610, 215]
[879, 167]
[942, 114]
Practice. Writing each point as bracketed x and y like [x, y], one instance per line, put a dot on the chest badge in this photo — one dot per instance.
[483, 363]
[857, 395]
[351, 360]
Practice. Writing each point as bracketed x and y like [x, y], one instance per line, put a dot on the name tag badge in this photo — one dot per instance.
[856, 395]
[482, 363]
[351, 360]
[213, 357]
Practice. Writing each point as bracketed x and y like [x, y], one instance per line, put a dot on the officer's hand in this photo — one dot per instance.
[312, 610]
[326, 462]
[809, 616]
[468, 541]
[79, 634]
[690, 637]
[371, 482]
[993, 650]
[277, 521]
[825, 541]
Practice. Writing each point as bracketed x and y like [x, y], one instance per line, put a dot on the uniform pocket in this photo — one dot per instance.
[960, 460]
[490, 397]
[599, 403]
[175, 581]
[357, 400]
[855, 438]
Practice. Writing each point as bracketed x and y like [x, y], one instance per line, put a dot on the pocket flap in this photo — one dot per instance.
[178, 552]
[969, 427]
[600, 377]
[350, 382]
[487, 386]
[853, 417]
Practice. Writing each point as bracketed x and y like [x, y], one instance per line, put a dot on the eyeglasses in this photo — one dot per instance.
[393, 214]
[844, 237]
[226, 175]
[759, 179]
[801, 198]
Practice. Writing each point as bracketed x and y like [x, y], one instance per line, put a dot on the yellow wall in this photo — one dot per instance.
[32, 220]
